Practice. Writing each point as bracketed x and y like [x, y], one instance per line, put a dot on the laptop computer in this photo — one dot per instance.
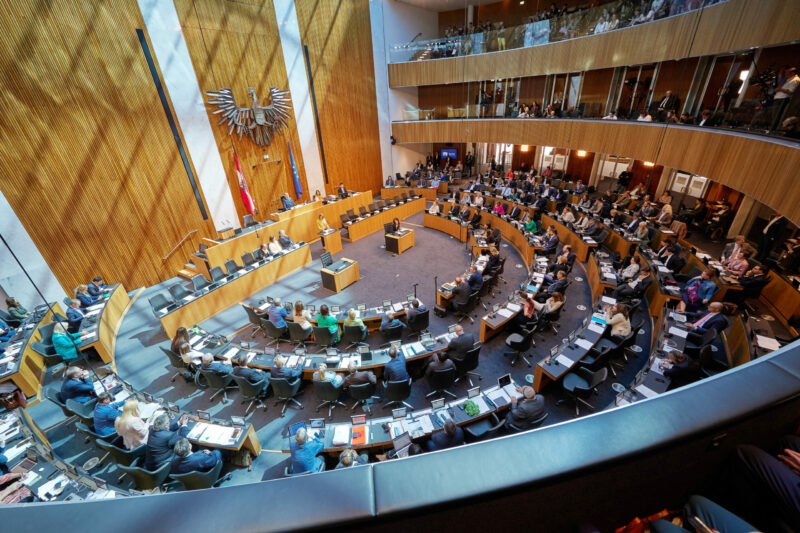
[399, 413]
[238, 421]
[365, 353]
[474, 391]
[401, 442]
[205, 416]
[505, 383]
[358, 420]
[437, 404]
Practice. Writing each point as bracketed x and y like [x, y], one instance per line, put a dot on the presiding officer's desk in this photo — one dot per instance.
[19, 363]
[299, 223]
[368, 225]
[102, 322]
[232, 289]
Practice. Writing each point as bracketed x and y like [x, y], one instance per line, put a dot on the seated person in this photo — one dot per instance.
[740, 264]
[464, 214]
[551, 241]
[395, 225]
[633, 225]
[529, 223]
[527, 316]
[454, 210]
[493, 235]
[551, 305]
[434, 208]
[617, 217]
[592, 228]
[714, 516]
[567, 216]
[63, 341]
[323, 374]
[752, 279]
[478, 202]
[706, 321]
[358, 377]
[451, 436]
[353, 320]
[105, 413]
[277, 314]
[459, 345]
[77, 385]
[559, 285]
[395, 369]
[582, 223]
[322, 224]
[476, 219]
[664, 216]
[284, 239]
[732, 250]
[130, 426]
[273, 246]
[499, 209]
[525, 412]
[252, 375]
[317, 196]
[416, 308]
[263, 251]
[643, 234]
[325, 319]
[697, 292]
[302, 317]
[184, 461]
[95, 287]
[83, 296]
[192, 358]
[566, 251]
[287, 202]
[616, 316]
[219, 368]
[514, 212]
[630, 271]
[475, 279]
[634, 288]
[389, 321]
[304, 453]
[585, 202]
[681, 370]
[16, 310]
[350, 457]
[181, 336]
[279, 370]
[560, 265]
[672, 261]
[438, 362]
[494, 260]
[74, 316]
[461, 292]
[161, 442]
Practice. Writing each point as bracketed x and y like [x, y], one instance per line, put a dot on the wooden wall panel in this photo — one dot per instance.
[88, 160]
[453, 17]
[580, 167]
[236, 45]
[677, 77]
[512, 13]
[339, 40]
[733, 25]
[440, 97]
[764, 169]
[596, 85]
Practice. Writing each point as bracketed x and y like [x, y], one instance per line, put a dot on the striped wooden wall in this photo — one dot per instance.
[236, 44]
[87, 158]
[338, 36]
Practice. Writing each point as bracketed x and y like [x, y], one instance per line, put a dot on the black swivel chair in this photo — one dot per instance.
[483, 429]
[220, 382]
[201, 480]
[462, 311]
[248, 220]
[199, 282]
[273, 332]
[362, 211]
[55, 396]
[217, 274]
[231, 267]
[345, 220]
[362, 394]
[176, 361]
[513, 427]
[397, 392]
[418, 324]
[708, 365]
[252, 392]
[519, 344]
[145, 479]
[351, 214]
[465, 366]
[440, 381]
[121, 456]
[285, 391]
[179, 292]
[550, 320]
[255, 320]
[353, 336]
[48, 353]
[157, 302]
[84, 411]
[394, 333]
[297, 334]
[597, 359]
[581, 384]
[248, 260]
[323, 336]
[329, 394]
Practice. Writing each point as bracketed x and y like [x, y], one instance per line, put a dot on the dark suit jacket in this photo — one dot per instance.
[395, 370]
[541, 203]
[460, 345]
[494, 262]
[675, 263]
[342, 192]
[550, 243]
[80, 390]
[475, 281]
[217, 367]
[717, 322]
[461, 294]
[253, 375]
[525, 412]
[515, 212]
[285, 373]
[411, 313]
[441, 440]
[200, 461]
[94, 290]
[557, 286]
[74, 318]
[160, 445]
[85, 300]
[435, 365]
[359, 378]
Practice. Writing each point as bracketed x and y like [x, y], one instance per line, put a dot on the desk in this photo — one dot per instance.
[366, 226]
[567, 236]
[336, 281]
[446, 225]
[233, 291]
[297, 211]
[566, 359]
[332, 242]
[105, 336]
[425, 192]
[27, 370]
[398, 244]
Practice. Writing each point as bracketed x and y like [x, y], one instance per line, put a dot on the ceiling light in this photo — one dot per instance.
[523, 148]
[581, 153]
[649, 164]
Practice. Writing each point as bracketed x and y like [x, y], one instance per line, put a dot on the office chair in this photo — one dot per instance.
[362, 394]
[84, 411]
[597, 359]
[216, 381]
[145, 479]
[440, 381]
[252, 392]
[121, 456]
[157, 302]
[297, 335]
[217, 274]
[708, 365]
[351, 214]
[91, 435]
[397, 392]
[404, 196]
[581, 384]
[179, 292]
[201, 480]
[248, 221]
[323, 336]
[533, 424]
[329, 394]
[373, 208]
[248, 259]
[199, 282]
[418, 324]
[273, 332]
[465, 366]
[519, 344]
[462, 310]
[255, 320]
[13, 322]
[483, 429]
[176, 361]
[231, 267]
[550, 320]
[48, 353]
[46, 333]
[394, 333]
[353, 336]
[344, 219]
[362, 211]
[285, 391]
[396, 200]
[288, 473]
[55, 396]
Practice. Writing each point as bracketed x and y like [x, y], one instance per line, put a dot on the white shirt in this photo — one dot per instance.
[629, 271]
[774, 220]
[303, 319]
[789, 85]
[274, 247]
[646, 118]
[568, 217]
[434, 210]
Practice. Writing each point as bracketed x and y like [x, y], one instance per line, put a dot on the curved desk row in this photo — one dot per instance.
[428, 193]
[20, 364]
[368, 225]
[104, 335]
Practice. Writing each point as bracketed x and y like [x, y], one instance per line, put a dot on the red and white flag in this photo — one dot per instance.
[243, 189]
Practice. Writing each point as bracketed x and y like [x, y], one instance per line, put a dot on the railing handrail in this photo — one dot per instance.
[175, 248]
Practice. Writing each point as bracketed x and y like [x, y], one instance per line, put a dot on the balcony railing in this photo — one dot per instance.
[601, 19]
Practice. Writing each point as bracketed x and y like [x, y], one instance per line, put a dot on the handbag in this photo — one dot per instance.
[12, 400]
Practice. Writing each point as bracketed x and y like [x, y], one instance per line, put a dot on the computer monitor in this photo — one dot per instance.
[361, 307]
[312, 308]
[553, 351]
[205, 416]
[238, 421]
[332, 352]
[451, 329]
[387, 304]
[335, 309]
[396, 344]
[299, 351]
[410, 298]
[504, 380]
[474, 391]
[401, 441]
[437, 404]
[358, 420]
[317, 423]
[400, 412]
[426, 338]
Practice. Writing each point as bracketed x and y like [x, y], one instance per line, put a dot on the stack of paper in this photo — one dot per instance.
[505, 313]
[646, 392]
[426, 423]
[230, 353]
[583, 343]
[514, 307]
[197, 430]
[608, 300]
[682, 333]
[341, 435]
[195, 339]
[767, 343]
[677, 317]
[564, 360]
[596, 327]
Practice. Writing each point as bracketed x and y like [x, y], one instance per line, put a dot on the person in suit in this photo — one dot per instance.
[515, 212]
[633, 225]
[84, 297]
[210, 365]
[416, 308]
[459, 345]
[438, 362]
[541, 203]
[475, 279]
[358, 377]
[451, 436]
[284, 239]
[464, 214]
[559, 285]
[454, 209]
[252, 375]
[287, 202]
[105, 413]
[161, 441]
[262, 252]
[342, 191]
[669, 102]
[672, 261]
[77, 385]
[184, 461]
[704, 322]
[304, 453]
[389, 321]
[494, 260]
[475, 221]
[560, 265]
[95, 287]
[395, 369]
[130, 426]
[63, 342]
[566, 251]
[74, 316]
[634, 288]
[279, 370]
[525, 412]
[461, 292]
[551, 241]
[732, 250]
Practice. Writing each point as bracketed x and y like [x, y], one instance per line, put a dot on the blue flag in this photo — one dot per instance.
[298, 189]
